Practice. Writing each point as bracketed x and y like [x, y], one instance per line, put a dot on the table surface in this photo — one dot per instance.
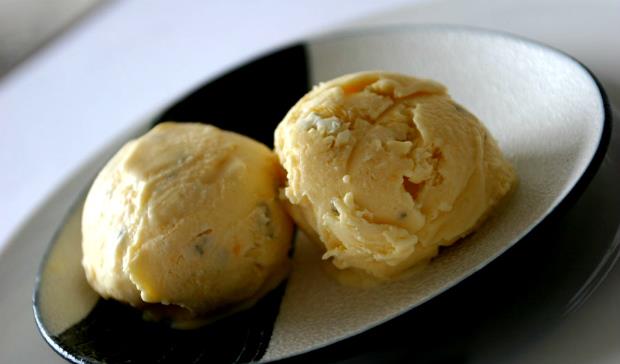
[128, 59]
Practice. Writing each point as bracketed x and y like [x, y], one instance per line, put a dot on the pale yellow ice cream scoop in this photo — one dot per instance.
[383, 169]
[187, 215]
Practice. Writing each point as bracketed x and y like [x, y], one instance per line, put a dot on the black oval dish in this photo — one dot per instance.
[502, 294]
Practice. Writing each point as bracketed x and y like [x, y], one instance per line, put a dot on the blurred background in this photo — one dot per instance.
[26, 25]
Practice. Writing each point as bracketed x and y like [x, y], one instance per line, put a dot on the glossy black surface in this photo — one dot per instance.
[252, 99]
[116, 333]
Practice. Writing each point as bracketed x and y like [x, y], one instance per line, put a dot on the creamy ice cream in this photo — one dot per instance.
[187, 215]
[383, 169]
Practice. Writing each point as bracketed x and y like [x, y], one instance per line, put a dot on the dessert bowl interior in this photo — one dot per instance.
[547, 112]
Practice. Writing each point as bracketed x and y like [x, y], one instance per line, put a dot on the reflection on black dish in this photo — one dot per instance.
[115, 333]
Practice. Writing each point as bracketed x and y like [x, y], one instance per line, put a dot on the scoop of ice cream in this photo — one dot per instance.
[187, 215]
[384, 169]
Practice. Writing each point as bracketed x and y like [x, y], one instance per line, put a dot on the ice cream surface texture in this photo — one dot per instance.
[383, 169]
[187, 215]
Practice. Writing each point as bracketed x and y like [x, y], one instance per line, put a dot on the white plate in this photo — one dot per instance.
[545, 109]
